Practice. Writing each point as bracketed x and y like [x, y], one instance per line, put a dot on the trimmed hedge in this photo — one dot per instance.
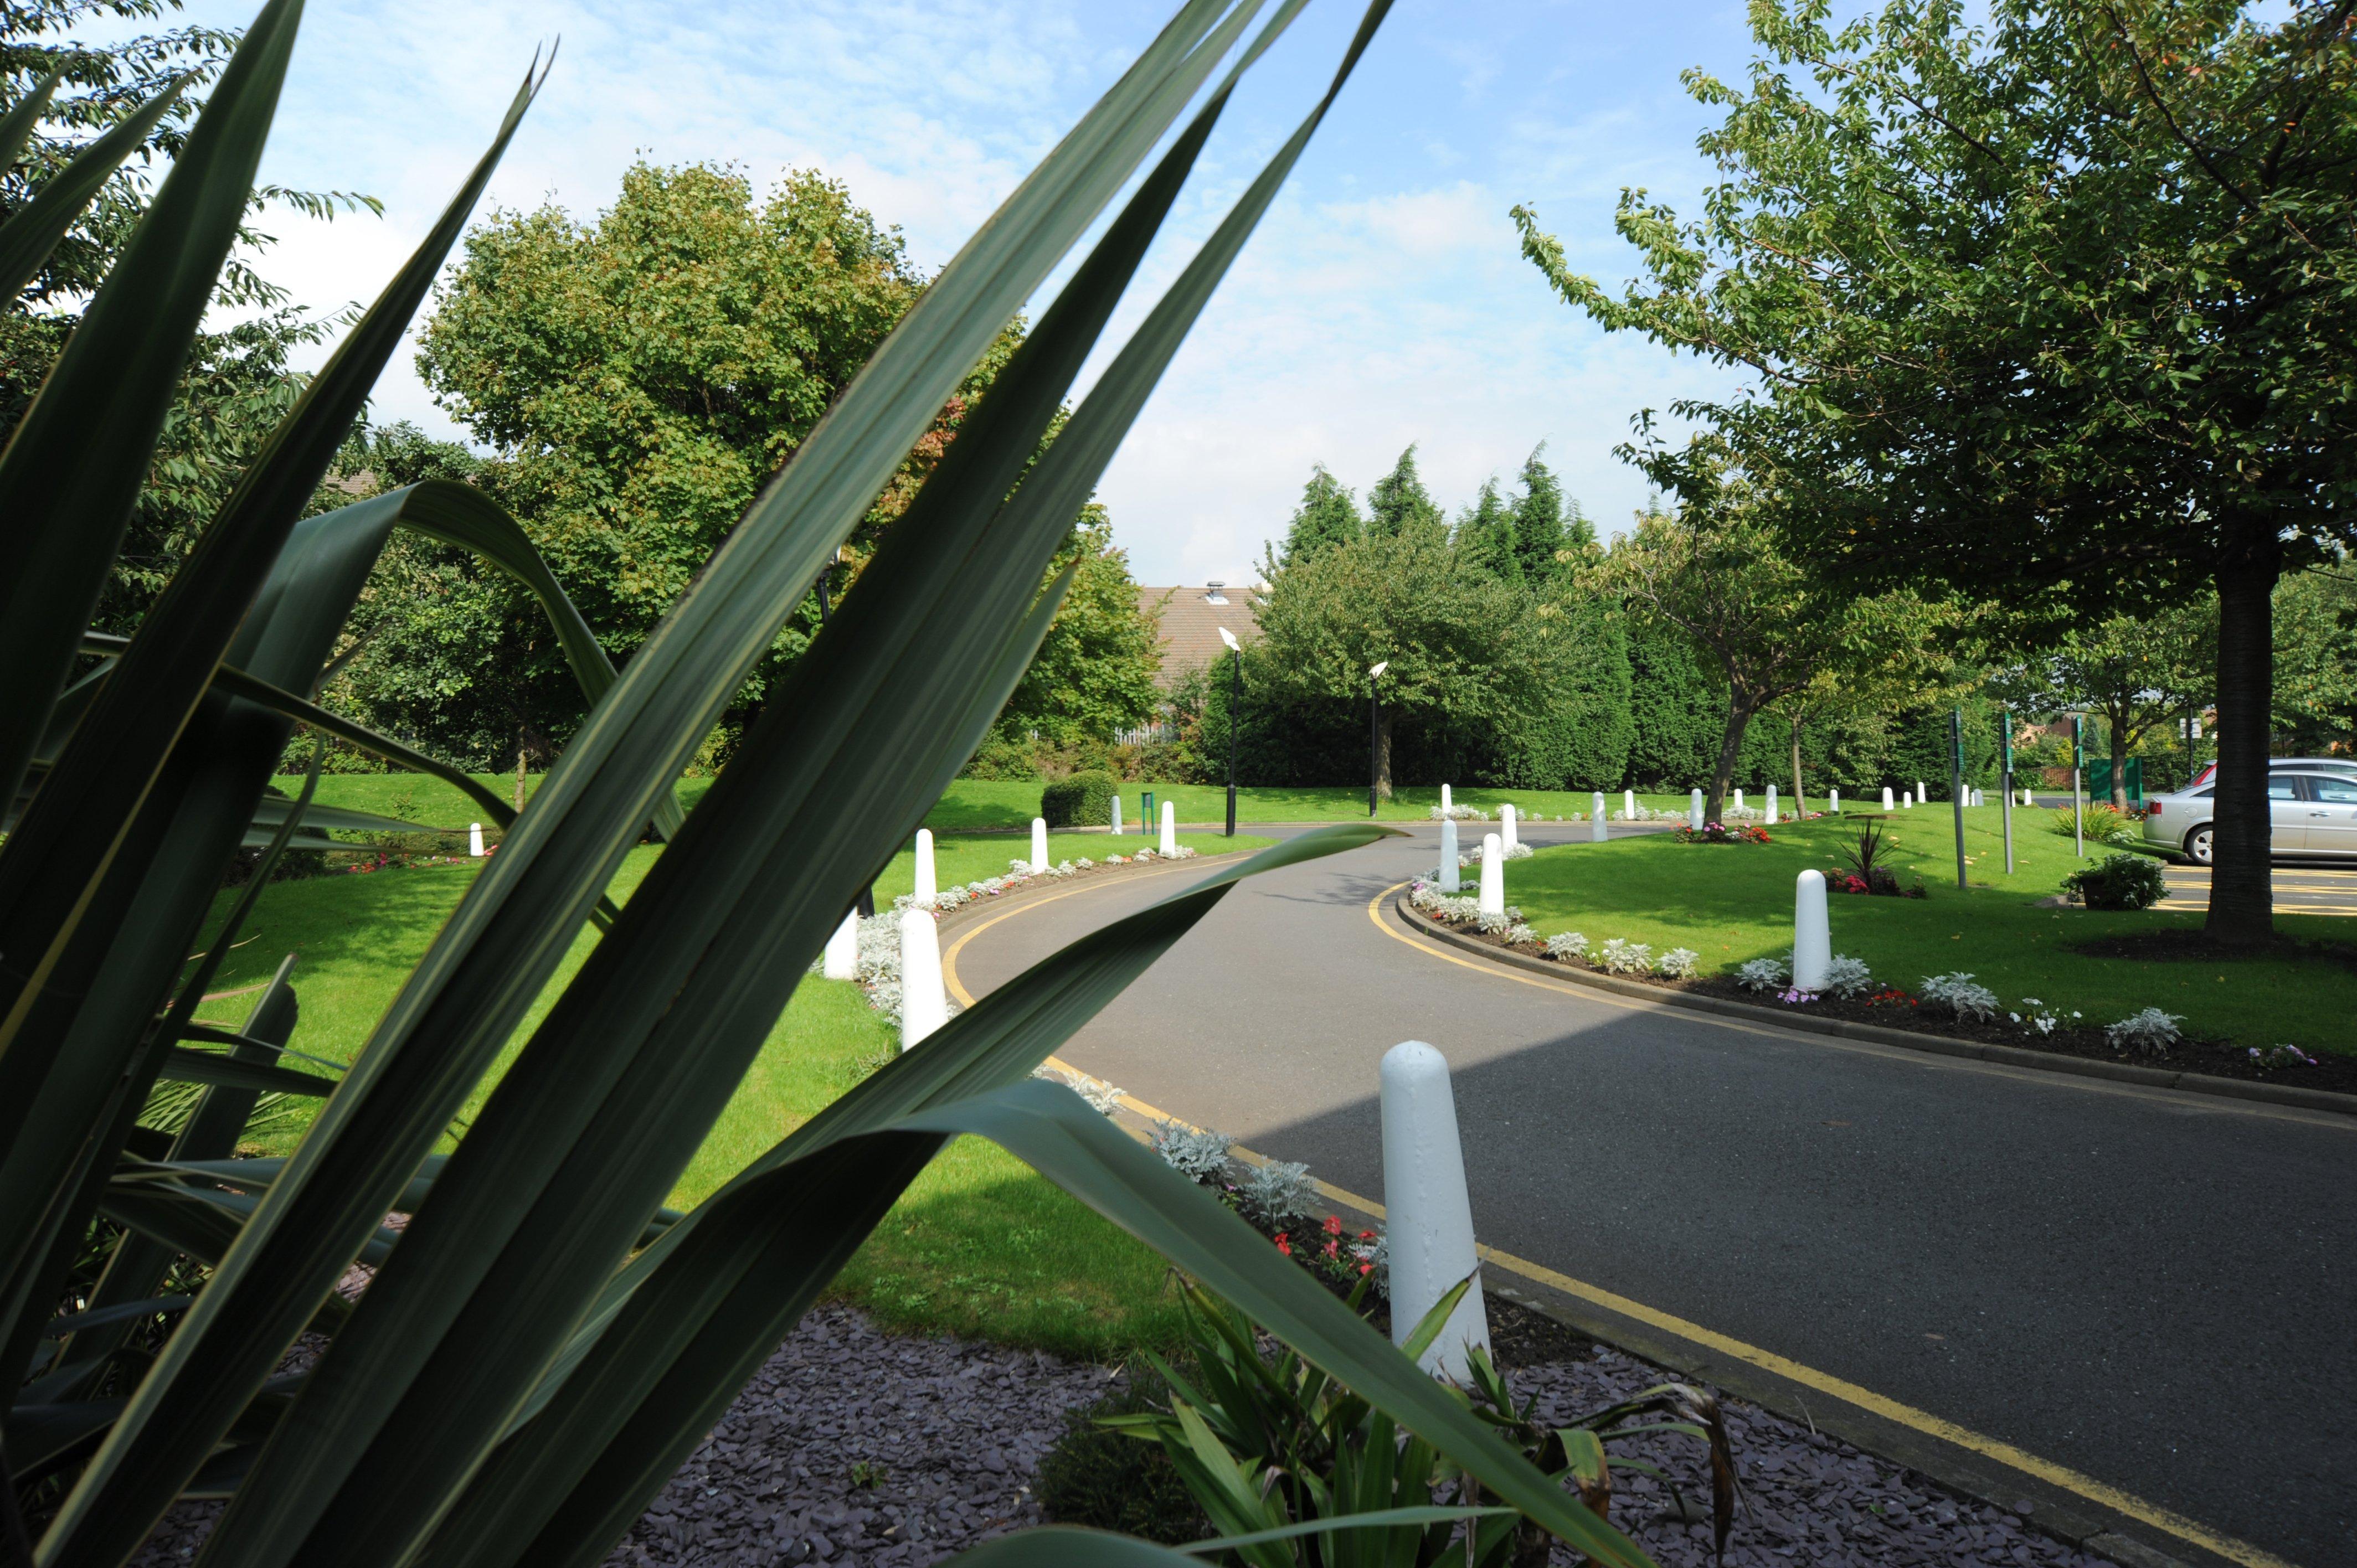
[1082, 801]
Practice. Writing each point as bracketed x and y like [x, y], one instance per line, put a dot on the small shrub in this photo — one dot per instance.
[2098, 821]
[1868, 871]
[1519, 934]
[1620, 956]
[1493, 922]
[1764, 975]
[1676, 963]
[1103, 1478]
[2281, 1056]
[2119, 882]
[1276, 1194]
[1566, 945]
[999, 757]
[2150, 1031]
[1082, 801]
[1848, 977]
[1960, 994]
[1199, 1156]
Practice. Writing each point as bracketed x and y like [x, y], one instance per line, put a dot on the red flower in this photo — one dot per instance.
[1285, 1246]
[1366, 1268]
[1333, 1225]
[1333, 1249]
[1366, 1235]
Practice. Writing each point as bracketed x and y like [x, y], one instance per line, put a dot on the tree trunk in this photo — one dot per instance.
[2119, 765]
[1799, 801]
[2242, 889]
[1384, 754]
[1730, 747]
[520, 756]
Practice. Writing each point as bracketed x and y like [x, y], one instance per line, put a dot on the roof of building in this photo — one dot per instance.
[1191, 618]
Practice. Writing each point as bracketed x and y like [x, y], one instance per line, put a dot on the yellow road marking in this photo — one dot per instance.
[949, 958]
[2060, 1476]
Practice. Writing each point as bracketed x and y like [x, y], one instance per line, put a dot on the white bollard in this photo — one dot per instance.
[1428, 1215]
[843, 949]
[1739, 800]
[1506, 833]
[928, 887]
[1770, 806]
[1039, 846]
[1972, 798]
[1906, 800]
[1447, 805]
[1694, 812]
[1921, 793]
[1833, 802]
[1494, 876]
[1628, 805]
[1812, 939]
[2025, 796]
[475, 840]
[1596, 829]
[1886, 797]
[1116, 815]
[924, 1003]
[1450, 881]
[1169, 829]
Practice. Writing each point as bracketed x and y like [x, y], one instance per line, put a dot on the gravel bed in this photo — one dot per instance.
[855, 1447]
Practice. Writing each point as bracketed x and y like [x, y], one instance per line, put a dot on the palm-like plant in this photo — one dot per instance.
[546, 1343]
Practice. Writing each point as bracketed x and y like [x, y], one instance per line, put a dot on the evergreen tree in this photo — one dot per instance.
[1399, 503]
[1488, 539]
[1327, 516]
[1542, 529]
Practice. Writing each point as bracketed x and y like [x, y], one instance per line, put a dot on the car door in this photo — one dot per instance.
[2288, 808]
[2332, 816]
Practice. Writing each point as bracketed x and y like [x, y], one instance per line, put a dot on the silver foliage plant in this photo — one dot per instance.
[1198, 1153]
[1764, 975]
[1961, 995]
[2149, 1032]
[1277, 1192]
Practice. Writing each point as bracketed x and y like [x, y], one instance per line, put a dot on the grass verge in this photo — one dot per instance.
[980, 1245]
[1734, 902]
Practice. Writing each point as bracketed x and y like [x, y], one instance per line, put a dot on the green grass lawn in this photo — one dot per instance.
[970, 803]
[979, 1245]
[1734, 902]
[960, 859]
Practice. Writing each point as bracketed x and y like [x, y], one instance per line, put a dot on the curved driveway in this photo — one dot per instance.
[2159, 1291]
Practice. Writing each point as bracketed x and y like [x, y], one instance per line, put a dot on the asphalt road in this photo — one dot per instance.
[2155, 1289]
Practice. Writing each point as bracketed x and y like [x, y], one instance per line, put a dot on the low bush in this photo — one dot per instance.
[2119, 882]
[1082, 801]
[999, 757]
[2097, 820]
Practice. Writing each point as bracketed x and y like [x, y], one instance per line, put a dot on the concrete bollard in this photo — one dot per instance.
[1906, 800]
[1428, 1215]
[1447, 805]
[1169, 829]
[1739, 800]
[927, 888]
[1628, 804]
[475, 840]
[1770, 806]
[1833, 802]
[924, 1003]
[1921, 793]
[1595, 828]
[842, 961]
[1506, 833]
[1812, 938]
[1449, 880]
[1039, 846]
[1116, 815]
[1886, 797]
[2025, 796]
[1494, 876]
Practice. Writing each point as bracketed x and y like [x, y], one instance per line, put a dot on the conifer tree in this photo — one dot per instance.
[1327, 516]
[1399, 503]
[1487, 537]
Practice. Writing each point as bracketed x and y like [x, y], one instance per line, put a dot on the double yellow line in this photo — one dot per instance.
[2060, 1476]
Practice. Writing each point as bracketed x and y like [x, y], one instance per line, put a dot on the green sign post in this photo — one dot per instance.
[2005, 774]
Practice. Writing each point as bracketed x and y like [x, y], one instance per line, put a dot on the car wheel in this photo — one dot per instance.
[2197, 845]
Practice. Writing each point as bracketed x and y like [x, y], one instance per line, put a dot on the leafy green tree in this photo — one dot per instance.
[1094, 675]
[2062, 303]
[1547, 523]
[1327, 516]
[1487, 538]
[1462, 646]
[2135, 674]
[1677, 715]
[1400, 504]
[238, 382]
[2315, 662]
[641, 376]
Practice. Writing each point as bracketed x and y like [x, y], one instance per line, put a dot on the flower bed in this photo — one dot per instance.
[1719, 832]
[1954, 1006]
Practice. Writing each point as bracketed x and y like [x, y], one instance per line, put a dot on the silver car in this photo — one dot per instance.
[2313, 814]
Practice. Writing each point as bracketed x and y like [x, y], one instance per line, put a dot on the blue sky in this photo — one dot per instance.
[1383, 301]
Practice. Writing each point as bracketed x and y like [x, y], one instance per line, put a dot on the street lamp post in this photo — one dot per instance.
[1374, 735]
[1235, 700]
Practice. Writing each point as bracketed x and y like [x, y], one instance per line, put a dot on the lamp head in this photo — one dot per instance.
[1229, 638]
[1376, 673]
